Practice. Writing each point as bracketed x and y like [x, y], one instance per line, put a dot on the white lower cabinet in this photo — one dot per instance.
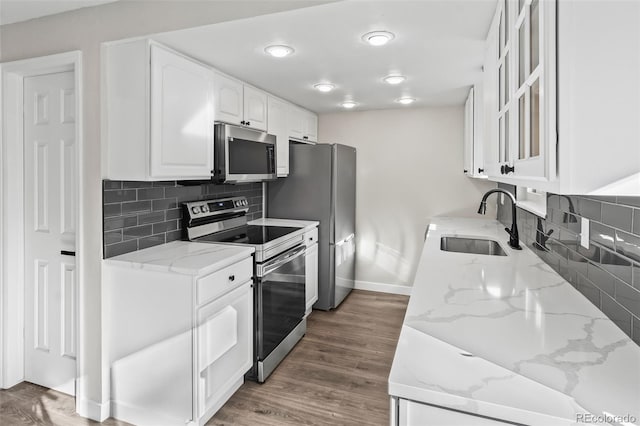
[179, 345]
[312, 277]
[311, 268]
[224, 348]
[410, 413]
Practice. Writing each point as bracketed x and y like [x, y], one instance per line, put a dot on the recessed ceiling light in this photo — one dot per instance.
[378, 38]
[279, 50]
[405, 100]
[324, 87]
[394, 79]
[348, 104]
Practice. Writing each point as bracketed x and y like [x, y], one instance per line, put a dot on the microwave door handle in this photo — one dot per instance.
[281, 260]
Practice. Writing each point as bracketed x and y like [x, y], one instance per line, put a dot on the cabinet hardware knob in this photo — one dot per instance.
[509, 169]
[232, 278]
[248, 123]
[480, 170]
[67, 253]
[305, 137]
[465, 170]
[502, 169]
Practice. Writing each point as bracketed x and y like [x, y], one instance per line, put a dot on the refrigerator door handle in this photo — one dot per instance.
[346, 240]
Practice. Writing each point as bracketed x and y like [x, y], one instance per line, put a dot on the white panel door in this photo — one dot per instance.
[181, 117]
[50, 177]
[278, 126]
[255, 108]
[228, 100]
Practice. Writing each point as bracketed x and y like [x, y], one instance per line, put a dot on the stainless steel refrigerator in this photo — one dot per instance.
[322, 186]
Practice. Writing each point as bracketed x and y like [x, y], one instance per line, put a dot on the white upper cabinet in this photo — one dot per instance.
[310, 126]
[519, 68]
[473, 148]
[468, 135]
[599, 97]
[229, 99]
[159, 114]
[303, 124]
[296, 122]
[237, 103]
[255, 108]
[561, 100]
[472, 152]
[279, 127]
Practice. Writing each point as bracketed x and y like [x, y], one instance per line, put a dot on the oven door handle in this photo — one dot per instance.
[282, 259]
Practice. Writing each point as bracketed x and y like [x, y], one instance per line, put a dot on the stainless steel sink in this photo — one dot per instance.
[471, 245]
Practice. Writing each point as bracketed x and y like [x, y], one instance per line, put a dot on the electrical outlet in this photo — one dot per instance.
[584, 233]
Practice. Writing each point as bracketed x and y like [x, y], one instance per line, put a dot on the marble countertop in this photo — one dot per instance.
[507, 337]
[183, 257]
[267, 221]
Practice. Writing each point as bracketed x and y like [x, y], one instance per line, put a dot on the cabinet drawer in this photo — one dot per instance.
[311, 237]
[220, 282]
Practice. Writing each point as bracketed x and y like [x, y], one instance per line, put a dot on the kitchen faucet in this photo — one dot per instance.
[513, 232]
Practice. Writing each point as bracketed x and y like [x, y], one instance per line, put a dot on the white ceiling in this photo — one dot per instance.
[12, 11]
[439, 46]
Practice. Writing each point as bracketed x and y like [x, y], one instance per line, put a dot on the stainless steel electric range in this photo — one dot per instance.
[279, 271]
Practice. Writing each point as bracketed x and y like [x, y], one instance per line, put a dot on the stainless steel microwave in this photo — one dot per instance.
[243, 155]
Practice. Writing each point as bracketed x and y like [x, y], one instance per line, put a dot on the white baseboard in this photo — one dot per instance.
[94, 410]
[383, 287]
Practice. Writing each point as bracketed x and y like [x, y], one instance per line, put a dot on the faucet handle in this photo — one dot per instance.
[514, 239]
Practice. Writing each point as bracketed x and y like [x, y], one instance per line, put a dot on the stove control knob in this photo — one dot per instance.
[244, 202]
[204, 208]
[195, 209]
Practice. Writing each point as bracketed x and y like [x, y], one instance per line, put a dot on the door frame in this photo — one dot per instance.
[12, 262]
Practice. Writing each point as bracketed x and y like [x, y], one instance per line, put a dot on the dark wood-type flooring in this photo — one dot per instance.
[337, 375]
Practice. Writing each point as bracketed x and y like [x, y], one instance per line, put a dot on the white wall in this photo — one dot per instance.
[409, 169]
[85, 29]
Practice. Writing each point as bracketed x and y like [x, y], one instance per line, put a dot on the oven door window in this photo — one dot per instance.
[282, 300]
[250, 158]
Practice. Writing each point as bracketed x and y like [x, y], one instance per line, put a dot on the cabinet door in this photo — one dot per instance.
[224, 347]
[413, 413]
[255, 108]
[468, 136]
[490, 85]
[296, 122]
[181, 144]
[310, 126]
[228, 99]
[478, 129]
[534, 93]
[311, 268]
[277, 125]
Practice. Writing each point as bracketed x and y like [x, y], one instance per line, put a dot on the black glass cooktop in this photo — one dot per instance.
[249, 234]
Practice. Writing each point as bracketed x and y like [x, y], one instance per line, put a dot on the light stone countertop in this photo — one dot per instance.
[183, 257]
[507, 337]
[267, 221]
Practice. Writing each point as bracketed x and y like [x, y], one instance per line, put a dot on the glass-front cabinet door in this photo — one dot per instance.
[534, 23]
[524, 141]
